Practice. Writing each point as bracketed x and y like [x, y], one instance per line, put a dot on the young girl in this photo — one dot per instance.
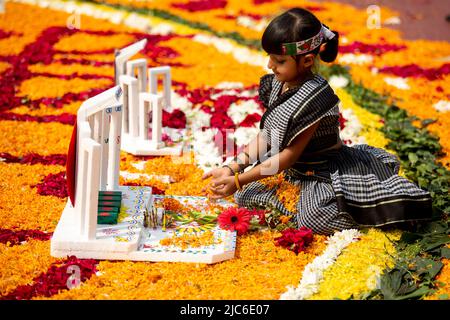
[341, 187]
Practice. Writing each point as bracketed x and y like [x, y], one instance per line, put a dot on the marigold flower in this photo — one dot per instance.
[191, 240]
[285, 219]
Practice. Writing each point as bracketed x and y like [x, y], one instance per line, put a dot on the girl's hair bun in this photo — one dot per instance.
[330, 52]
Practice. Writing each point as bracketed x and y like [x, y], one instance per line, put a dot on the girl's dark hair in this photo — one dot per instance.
[296, 25]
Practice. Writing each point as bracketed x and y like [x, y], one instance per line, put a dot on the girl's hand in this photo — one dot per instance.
[216, 174]
[225, 187]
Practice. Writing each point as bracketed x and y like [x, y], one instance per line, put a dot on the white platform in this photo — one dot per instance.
[141, 147]
[129, 240]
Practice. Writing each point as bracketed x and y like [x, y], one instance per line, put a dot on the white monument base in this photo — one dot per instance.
[141, 147]
[129, 240]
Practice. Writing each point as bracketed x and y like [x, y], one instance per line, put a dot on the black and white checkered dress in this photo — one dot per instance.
[341, 187]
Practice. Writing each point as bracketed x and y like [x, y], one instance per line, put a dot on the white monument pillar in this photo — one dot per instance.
[91, 158]
[139, 65]
[114, 147]
[153, 102]
[167, 84]
[84, 132]
[105, 149]
[122, 55]
[130, 112]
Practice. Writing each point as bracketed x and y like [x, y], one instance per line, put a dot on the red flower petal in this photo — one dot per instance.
[295, 240]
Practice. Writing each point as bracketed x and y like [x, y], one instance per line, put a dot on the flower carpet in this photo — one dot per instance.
[56, 54]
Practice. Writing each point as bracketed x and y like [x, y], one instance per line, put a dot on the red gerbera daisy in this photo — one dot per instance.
[235, 219]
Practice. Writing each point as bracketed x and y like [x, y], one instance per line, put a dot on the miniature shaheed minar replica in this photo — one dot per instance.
[138, 103]
[103, 220]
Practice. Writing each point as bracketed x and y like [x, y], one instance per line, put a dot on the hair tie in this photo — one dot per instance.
[328, 34]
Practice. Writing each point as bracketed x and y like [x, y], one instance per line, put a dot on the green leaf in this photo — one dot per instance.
[422, 291]
[206, 219]
[410, 237]
[436, 227]
[369, 295]
[443, 296]
[427, 122]
[427, 268]
[390, 283]
[445, 253]
[434, 241]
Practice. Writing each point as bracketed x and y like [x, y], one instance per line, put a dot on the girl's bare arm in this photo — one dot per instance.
[255, 150]
[281, 161]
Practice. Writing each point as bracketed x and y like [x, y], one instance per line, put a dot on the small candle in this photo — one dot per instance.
[164, 221]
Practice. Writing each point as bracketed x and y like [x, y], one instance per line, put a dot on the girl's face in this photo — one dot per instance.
[286, 69]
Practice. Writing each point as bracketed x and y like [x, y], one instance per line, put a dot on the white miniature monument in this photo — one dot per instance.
[138, 103]
[96, 155]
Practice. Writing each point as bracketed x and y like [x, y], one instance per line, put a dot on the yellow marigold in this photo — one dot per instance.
[69, 69]
[93, 42]
[44, 110]
[191, 240]
[172, 205]
[144, 182]
[287, 193]
[4, 66]
[45, 87]
[418, 100]
[20, 264]
[357, 268]
[425, 53]
[268, 270]
[33, 20]
[127, 161]
[285, 219]
[190, 186]
[351, 21]
[21, 206]
[211, 67]
[167, 165]
[273, 181]
[20, 137]
[100, 57]
[28, 19]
